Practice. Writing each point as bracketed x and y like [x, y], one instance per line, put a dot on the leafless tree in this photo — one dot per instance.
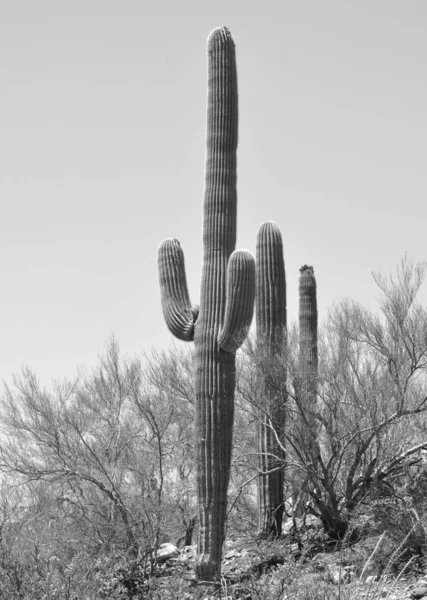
[114, 446]
[370, 416]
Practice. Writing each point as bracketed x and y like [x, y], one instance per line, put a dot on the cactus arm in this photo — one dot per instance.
[180, 317]
[240, 299]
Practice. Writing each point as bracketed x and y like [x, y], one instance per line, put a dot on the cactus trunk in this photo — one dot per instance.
[271, 332]
[226, 304]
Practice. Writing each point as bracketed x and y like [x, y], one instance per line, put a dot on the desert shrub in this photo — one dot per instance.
[369, 417]
[400, 510]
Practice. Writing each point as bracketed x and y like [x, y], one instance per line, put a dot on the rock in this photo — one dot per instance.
[166, 551]
[320, 563]
[312, 521]
[349, 573]
[419, 592]
[287, 526]
[343, 575]
[335, 575]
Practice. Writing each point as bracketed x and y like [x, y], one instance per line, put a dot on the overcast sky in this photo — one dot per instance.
[102, 127]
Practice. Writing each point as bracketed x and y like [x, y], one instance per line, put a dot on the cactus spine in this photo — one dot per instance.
[271, 332]
[226, 303]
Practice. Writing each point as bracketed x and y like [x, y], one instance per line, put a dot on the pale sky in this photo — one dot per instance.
[102, 126]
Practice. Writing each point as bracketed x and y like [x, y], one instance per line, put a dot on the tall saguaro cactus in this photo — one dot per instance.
[271, 332]
[220, 326]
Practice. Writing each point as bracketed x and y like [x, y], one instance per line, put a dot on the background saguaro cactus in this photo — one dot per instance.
[308, 352]
[226, 303]
[308, 320]
[271, 332]
[305, 429]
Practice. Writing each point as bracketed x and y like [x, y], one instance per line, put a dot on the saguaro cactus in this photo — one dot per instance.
[271, 332]
[308, 321]
[308, 353]
[305, 384]
[226, 304]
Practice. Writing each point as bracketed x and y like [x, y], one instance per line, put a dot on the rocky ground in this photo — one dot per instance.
[254, 570]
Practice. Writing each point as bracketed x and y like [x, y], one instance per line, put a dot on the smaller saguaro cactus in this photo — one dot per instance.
[271, 335]
[308, 352]
[308, 321]
[305, 384]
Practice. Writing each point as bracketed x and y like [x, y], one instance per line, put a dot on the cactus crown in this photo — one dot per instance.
[307, 268]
